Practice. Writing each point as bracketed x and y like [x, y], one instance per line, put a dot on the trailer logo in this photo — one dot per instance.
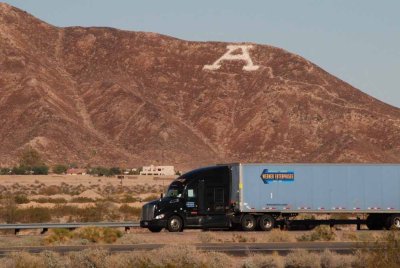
[269, 176]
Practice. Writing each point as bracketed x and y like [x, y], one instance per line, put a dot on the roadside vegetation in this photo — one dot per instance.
[385, 254]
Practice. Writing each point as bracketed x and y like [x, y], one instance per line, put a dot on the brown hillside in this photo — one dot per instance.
[111, 97]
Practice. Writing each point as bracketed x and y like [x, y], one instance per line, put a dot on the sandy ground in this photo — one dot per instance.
[85, 180]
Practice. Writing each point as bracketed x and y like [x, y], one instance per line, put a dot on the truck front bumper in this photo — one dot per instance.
[153, 223]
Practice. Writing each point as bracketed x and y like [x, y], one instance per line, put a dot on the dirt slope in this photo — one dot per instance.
[111, 97]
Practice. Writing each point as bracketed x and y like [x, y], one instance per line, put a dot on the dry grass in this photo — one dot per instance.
[89, 234]
[320, 233]
[183, 256]
[265, 261]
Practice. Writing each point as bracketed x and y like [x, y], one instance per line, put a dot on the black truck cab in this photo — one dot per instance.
[197, 199]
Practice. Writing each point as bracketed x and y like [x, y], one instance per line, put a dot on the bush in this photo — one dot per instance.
[115, 171]
[59, 200]
[59, 235]
[97, 234]
[100, 171]
[111, 235]
[40, 170]
[129, 199]
[330, 259]
[95, 258]
[265, 261]
[24, 260]
[383, 253]
[302, 258]
[60, 169]
[33, 215]
[126, 209]
[21, 199]
[80, 199]
[320, 233]
[50, 190]
[277, 235]
[5, 171]
[19, 171]
[151, 198]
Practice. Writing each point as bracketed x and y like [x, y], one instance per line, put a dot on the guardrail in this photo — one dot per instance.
[71, 226]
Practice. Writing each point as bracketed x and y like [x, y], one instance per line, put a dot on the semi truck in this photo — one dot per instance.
[265, 196]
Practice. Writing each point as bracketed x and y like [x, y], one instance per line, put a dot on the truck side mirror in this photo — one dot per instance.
[161, 196]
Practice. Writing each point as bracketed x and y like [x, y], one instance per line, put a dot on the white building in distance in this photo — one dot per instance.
[158, 170]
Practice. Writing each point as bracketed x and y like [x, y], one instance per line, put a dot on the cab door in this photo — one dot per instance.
[192, 204]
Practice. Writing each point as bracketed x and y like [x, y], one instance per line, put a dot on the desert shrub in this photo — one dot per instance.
[100, 171]
[101, 211]
[59, 235]
[207, 237]
[151, 198]
[40, 170]
[242, 239]
[320, 233]
[53, 260]
[21, 199]
[64, 210]
[265, 261]
[302, 258]
[81, 199]
[19, 171]
[129, 199]
[134, 211]
[33, 215]
[60, 169]
[25, 260]
[111, 235]
[98, 234]
[58, 200]
[90, 258]
[175, 256]
[5, 171]
[277, 235]
[8, 211]
[92, 234]
[50, 190]
[330, 259]
[115, 171]
[384, 252]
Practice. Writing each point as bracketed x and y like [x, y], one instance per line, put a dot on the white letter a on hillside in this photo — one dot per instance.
[245, 56]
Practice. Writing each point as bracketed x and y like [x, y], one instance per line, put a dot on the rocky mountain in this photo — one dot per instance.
[111, 97]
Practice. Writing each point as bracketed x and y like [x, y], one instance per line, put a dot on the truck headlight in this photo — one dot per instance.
[159, 217]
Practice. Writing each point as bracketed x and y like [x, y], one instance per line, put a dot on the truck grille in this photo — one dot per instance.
[148, 212]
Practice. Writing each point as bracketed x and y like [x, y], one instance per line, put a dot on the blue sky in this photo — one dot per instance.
[355, 40]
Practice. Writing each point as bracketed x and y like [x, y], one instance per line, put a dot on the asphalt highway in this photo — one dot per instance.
[229, 248]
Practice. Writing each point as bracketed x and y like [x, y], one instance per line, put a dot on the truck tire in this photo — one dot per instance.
[174, 224]
[155, 229]
[248, 223]
[266, 222]
[393, 222]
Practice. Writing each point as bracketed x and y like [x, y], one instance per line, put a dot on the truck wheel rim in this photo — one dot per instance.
[267, 223]
[175, 223]
[397, 223]
[249, 223]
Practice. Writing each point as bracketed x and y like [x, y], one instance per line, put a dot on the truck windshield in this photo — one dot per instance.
[174, 192]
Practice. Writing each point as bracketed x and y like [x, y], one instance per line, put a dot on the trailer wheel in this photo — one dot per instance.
[248, 222]
[266, 222]
[393, 222]
[174, 224]
[155, 229]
